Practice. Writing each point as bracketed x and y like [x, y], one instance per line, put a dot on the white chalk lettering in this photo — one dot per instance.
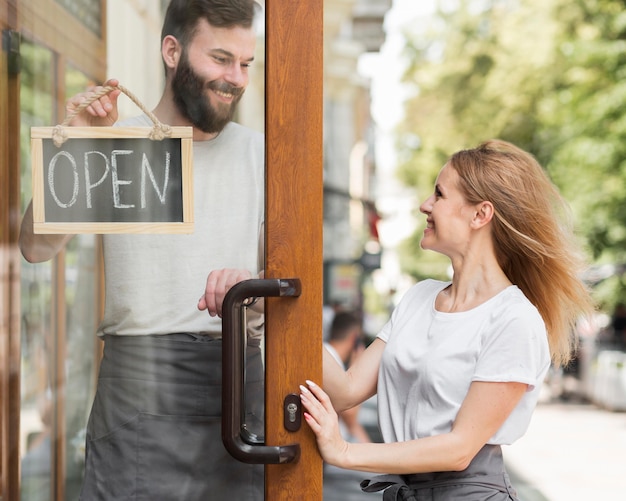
[51, 169]
[115, 181]
[88, 185]
[146, 168]
[126, 179]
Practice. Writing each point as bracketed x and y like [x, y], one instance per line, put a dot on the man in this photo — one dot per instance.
[345, 342]
[154, 429]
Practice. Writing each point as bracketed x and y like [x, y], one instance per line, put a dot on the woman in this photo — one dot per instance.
[459, 366]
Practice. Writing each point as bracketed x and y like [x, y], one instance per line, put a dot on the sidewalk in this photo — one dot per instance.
[343, 485]
[525, 490]
[571, 452]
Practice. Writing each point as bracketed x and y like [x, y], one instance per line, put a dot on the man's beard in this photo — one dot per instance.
[190, 96]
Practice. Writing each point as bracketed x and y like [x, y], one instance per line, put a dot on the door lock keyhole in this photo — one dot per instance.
[292, 410]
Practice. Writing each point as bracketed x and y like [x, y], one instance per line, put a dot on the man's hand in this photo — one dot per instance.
[218, 283]
[101, 112]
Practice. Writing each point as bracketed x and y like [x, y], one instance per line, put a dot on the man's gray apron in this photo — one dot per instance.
[154, 432]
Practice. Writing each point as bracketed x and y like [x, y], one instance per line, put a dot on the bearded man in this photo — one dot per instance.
[154, 431]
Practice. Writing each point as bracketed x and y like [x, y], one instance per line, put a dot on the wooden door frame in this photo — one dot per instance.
[294, 210]
[9, 267]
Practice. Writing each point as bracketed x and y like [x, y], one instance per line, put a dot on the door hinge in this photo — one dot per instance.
[11, 45]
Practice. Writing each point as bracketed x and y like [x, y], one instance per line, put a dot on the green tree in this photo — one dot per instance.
[478, 71]
[546, 75]
[584, 129]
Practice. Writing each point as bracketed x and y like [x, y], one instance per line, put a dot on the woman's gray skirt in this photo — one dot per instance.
[485, 479]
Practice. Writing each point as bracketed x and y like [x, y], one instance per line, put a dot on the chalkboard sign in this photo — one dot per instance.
[112, 180]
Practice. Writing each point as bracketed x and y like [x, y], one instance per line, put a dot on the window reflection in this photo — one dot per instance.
[81, 344]
[36, 335]
[36, 407]
[81, 348]
[59, 317]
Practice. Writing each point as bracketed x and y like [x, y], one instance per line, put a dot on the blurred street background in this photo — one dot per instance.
[406, 83]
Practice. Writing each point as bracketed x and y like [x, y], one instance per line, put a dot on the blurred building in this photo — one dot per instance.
[351, 249]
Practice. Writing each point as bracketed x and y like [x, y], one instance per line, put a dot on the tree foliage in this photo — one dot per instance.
[546, 75]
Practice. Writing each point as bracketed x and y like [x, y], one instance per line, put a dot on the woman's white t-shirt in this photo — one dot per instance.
[431, 358]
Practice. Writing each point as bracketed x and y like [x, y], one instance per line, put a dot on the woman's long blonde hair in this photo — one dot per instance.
[532, 233]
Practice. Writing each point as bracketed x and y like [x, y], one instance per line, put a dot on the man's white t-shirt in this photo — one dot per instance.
[431, 358]
[154, 281]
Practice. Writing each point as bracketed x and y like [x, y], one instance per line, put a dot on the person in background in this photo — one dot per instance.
[154, 431]
[345, 343]
[618, 324]
[459, 366]
[328, 313]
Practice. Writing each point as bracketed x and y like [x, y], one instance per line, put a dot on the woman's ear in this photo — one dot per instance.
[483, 215]
[170, 51]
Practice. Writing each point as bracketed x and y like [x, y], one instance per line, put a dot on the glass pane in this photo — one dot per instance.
[44, 346]
[61, 298]
[80, 352]
[36, 108]
[81, 344]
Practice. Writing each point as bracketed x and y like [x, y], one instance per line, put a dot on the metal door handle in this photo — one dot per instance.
[239, 442]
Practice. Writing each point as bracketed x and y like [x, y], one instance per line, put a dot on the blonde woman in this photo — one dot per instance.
[459, 366]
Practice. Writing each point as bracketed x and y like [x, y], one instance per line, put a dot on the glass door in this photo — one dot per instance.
[59, 313]
[57, 303]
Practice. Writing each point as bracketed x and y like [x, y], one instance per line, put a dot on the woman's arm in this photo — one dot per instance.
[484, 410]
[352, 387]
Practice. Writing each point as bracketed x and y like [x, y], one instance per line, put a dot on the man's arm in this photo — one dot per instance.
[38, 247]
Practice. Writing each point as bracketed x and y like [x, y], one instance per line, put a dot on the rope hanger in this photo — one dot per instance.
[159, 130]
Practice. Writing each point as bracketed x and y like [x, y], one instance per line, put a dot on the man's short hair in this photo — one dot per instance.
[182, 16]
[342, 324]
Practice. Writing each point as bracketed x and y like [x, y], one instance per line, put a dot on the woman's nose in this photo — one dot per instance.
[426, 205]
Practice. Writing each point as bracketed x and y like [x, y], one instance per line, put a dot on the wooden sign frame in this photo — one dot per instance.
[41, 225]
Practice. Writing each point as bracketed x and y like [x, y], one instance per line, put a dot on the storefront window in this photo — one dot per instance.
[36, 106]
[59, 317]
[63, 49]
[81, 343]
